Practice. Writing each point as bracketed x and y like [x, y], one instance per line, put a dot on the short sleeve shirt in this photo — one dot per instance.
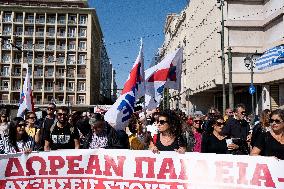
[62, 138]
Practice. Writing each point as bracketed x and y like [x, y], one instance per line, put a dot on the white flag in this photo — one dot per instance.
[120, 112]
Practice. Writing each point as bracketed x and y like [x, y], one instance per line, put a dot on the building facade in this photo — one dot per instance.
[106, 77]
[60, 41]
[250, 26]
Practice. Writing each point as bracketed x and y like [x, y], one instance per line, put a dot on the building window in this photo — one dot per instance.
[70, 86]
[5, 85]
[72, 19]
[83, 32]
[7, 17]
[81, 99]
[82, 59]
[71, 59]
[72, 45]
[5, 71]
[82, 45]
[81, 86]
[83, 19]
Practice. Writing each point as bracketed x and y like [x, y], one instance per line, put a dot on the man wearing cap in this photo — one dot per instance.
[102, 135]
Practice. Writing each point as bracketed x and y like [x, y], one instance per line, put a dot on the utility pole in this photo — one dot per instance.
[231, 96]
[223, 55]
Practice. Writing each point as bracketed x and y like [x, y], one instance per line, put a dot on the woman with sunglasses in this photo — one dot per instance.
[31, 128]
[18, 140]
[215, 142]
[169, 134]
[271, 143]
[197, 133]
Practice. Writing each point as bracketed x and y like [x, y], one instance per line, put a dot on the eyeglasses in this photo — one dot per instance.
[198, 121]
[49, 108]
[219, 123]
[162, 122]
[275, 121]
[230, 112]
[61, 114]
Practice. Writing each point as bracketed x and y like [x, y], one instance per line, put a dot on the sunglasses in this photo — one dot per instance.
[162, 122]
[219, 123]
[50, 108]
[230, 112]
[198, 121]
[32, 117]
[243, 113]
[61, 114]
[275, 121]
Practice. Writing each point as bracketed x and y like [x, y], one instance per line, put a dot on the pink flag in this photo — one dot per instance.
[120, 112]
[166, 74]
[26, 96]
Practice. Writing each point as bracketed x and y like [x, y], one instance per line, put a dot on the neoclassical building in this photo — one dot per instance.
[249, 26]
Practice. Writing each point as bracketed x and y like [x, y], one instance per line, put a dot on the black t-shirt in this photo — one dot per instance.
[178, 142]
[236, 129]
[211, 144]
[270, 146]
[62, 138]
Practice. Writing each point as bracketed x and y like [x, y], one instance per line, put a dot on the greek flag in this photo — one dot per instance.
[271, 58]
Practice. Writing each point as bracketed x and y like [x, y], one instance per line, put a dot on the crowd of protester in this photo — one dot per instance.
[166, 130]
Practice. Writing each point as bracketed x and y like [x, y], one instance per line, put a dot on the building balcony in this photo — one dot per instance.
[49, 74]
[4, 102]
[4, 88]
[69, 89]
[38, 60]
[29, 21]
[59, 75]
[29, 61]
[6, 61]
[71, 48]
[38, 102]
[50, 34]
[83, 22]
[7, 19]
[6, 47]
[72, 22]
[81, 75]
[48, 88]
[38, 74]
[19, 20]
[40, 21]
[71, 35]
[39, 34]
[60, 61]
[37, 89]
[81, 102]
[17, 61]
[59, 34]
[70, 62]
[61, 48]
[29, 33]
[82, 34]
[18, 33]
[16, 88]
[59, 89]
[6, 33]
[28, 46]
[81, 90]
[71, 75]
[50, 21]
[82, 48]
[50, 47]
[4, 74]
[16, 74]
[61, 22]
[81, 62]
[39, 46]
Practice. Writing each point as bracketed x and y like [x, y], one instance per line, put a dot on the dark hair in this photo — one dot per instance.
[29, 113]
[264, 118]
[96, 117]
[132, 123]
[75, 117]
[278, 112]
[13, 131]
[64, 109]
[175, 124]
[239, 106]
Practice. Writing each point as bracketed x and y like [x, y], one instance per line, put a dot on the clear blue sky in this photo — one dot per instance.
[123, 22]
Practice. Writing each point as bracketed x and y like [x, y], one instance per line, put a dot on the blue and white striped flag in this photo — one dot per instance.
[271, 58]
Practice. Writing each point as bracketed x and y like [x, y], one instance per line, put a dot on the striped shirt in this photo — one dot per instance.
[7, 148]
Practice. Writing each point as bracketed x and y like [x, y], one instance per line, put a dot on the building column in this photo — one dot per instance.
[265, 97]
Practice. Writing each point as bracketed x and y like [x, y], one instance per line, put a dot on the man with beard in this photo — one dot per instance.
[48, 121]
[61, 135]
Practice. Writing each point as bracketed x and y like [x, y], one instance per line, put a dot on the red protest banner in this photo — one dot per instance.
[126, 169]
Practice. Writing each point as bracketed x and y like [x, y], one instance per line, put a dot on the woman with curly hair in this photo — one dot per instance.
[18, 139]
[169, 134]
